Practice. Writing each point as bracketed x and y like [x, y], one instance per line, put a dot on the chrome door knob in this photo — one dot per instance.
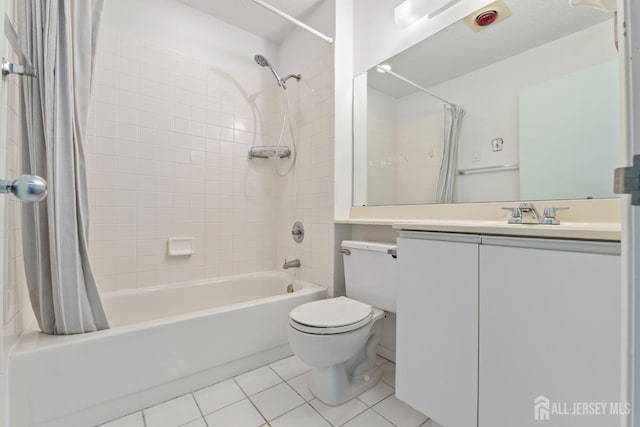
[26, 188]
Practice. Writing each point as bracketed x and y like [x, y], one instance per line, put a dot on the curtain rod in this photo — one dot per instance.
[293, 20]
[417, 86]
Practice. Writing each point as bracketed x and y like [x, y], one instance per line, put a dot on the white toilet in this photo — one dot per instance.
[338, 337]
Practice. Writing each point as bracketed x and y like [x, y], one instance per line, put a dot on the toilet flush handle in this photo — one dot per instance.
[345, 251]
[393, 252]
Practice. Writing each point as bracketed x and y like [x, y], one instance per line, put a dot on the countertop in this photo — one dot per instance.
[607, 231]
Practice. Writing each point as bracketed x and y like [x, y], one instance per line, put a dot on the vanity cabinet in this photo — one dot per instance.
[487, 325]
[551, 316]
[437, 326]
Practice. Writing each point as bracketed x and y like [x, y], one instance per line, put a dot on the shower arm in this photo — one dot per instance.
[292, 76]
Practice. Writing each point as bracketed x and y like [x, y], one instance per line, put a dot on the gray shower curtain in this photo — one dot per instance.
[60, 38]
[453, 115]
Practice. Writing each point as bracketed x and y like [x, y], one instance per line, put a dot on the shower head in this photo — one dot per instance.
[262, 61]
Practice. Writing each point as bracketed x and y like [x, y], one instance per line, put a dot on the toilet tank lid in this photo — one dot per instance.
[368, 246]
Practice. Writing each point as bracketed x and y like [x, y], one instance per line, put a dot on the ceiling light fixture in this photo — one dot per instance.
[383, 68]
[411, 11]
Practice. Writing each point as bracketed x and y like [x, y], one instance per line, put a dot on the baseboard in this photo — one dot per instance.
[387, 353]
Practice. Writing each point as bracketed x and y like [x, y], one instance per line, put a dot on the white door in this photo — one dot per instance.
[629, 36]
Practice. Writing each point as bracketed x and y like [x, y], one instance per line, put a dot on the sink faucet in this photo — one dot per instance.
[528, 207]
[534, 217]
[290, 264]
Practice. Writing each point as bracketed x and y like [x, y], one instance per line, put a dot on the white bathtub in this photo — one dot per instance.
[164, 342]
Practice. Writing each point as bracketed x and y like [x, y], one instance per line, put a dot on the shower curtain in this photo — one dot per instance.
[453, 115]
[59, 36]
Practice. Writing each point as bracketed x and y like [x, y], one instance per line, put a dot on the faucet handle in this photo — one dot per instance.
[516, 215]
[549, 216]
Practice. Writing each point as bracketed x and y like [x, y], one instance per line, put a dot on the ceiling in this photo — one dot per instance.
[458, 50]
[253, 18]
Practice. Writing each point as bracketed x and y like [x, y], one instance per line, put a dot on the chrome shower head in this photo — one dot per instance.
[261, 60]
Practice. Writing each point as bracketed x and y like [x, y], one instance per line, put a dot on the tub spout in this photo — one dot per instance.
[290, 264]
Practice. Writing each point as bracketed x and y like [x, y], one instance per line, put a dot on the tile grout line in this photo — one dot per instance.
[374, 410]
[251, 401]
[308, 402]
[199, 409]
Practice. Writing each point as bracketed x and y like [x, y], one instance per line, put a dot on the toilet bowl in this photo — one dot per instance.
[342, 356]
[338, 337]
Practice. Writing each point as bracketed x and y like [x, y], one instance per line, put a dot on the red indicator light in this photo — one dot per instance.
[486, 18]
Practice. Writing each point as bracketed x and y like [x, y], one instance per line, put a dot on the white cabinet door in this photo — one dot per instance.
[437, 327]
[550, 328]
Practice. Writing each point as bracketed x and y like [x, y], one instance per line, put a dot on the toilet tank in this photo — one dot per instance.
[370, 273]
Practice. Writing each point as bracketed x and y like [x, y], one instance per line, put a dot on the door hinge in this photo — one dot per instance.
[627, 181]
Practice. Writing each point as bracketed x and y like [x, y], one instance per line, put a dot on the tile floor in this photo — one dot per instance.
[278, 395]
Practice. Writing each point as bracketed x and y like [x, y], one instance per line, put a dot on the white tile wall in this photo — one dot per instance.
[15, 306]
[13, 277]
[14, 282]
[404, 149]
[308, 191]
[168, 157]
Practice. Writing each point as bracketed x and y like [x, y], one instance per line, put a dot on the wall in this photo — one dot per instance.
[405, 139]
[174, 112]
[382, 148]
[16, 310]
[306, 194]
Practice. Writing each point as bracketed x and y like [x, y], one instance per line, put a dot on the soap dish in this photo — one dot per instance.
[181, 246]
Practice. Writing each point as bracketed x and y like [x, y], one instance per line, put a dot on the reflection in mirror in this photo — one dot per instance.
[538, 93]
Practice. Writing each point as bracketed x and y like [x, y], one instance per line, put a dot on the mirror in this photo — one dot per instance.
[539, 98]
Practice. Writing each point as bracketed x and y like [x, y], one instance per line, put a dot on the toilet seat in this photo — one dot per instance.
[330, 316]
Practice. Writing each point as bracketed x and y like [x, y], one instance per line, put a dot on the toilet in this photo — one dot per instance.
[338, 337]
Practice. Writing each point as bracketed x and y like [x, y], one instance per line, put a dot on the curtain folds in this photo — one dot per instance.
[449, 169]
[60, 38]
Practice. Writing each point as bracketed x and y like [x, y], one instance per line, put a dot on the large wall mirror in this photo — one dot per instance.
[525, 108]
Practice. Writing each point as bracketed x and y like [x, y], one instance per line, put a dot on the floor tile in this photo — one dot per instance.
[173, 413]
[258, 380]
[240, 414]
[196, 423]
[301, 385]
[399, 413]
[338, 415]
[290, 367]
[368, 418]
[389, 374]
[133, 420]
[276, 400]
[302, 416]
[376, 394]
[218, 396]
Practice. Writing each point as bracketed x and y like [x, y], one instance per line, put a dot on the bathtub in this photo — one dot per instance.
[163, 342]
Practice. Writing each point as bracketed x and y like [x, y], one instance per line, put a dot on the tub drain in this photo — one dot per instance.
[290, 289]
